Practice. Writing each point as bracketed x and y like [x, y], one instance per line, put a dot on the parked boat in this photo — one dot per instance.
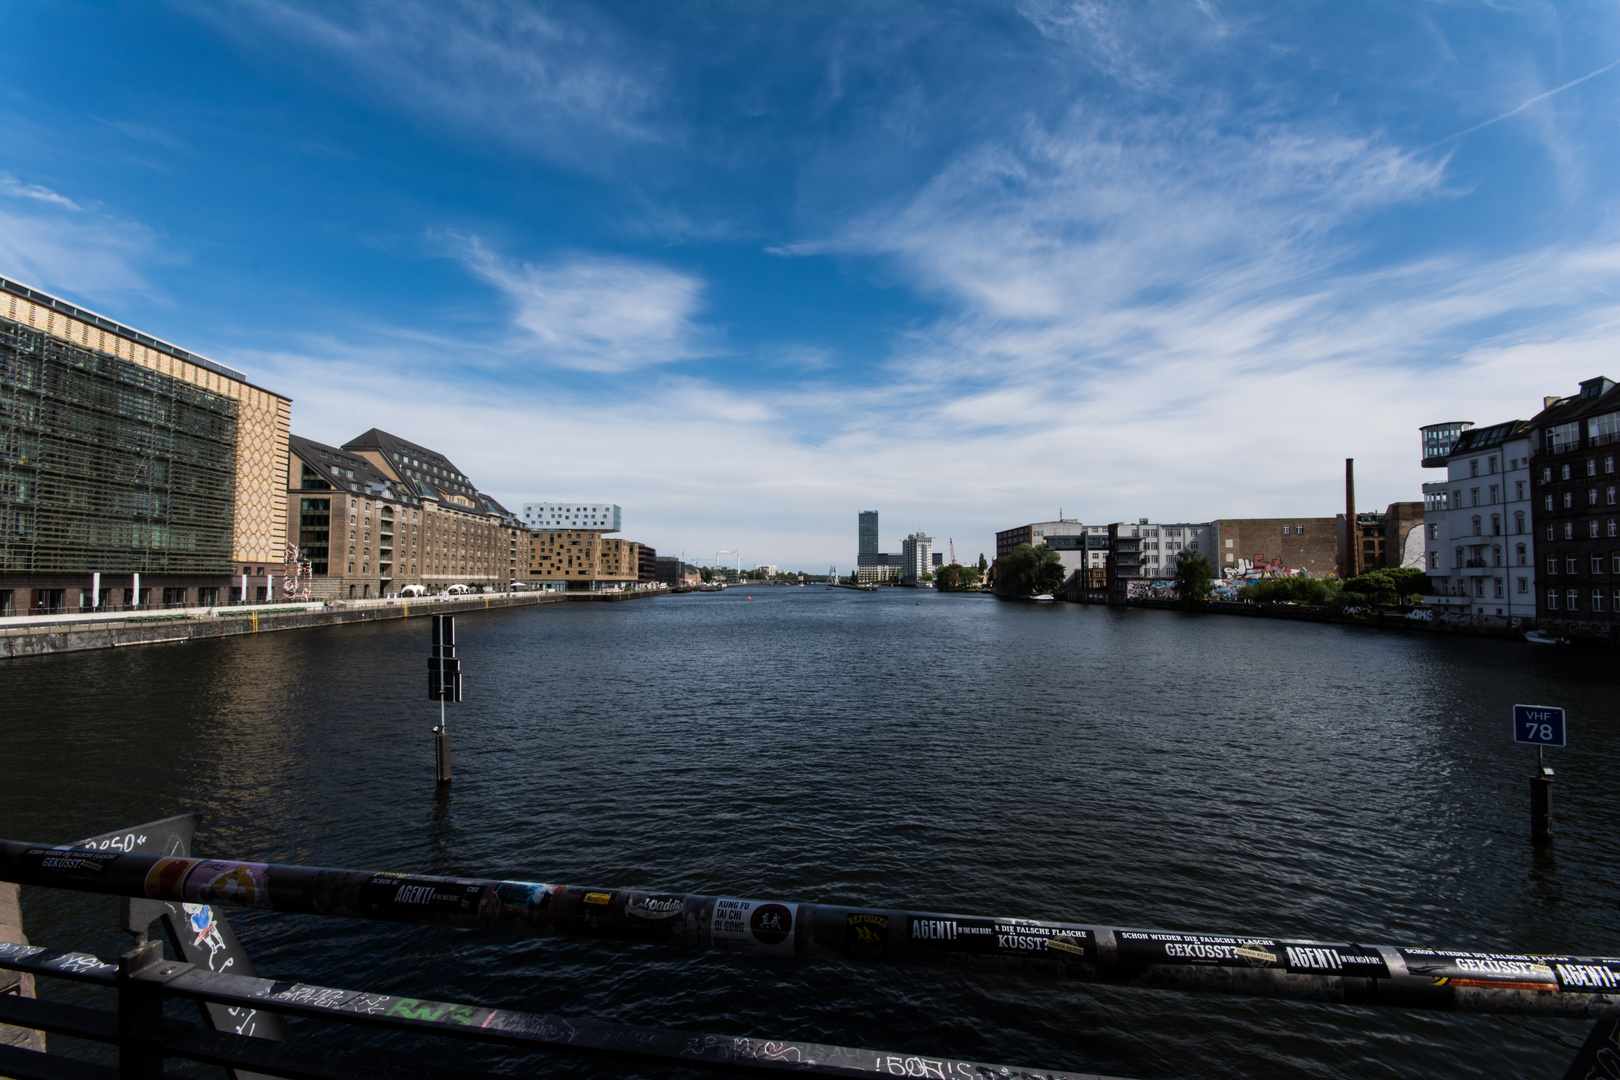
[1541, 637]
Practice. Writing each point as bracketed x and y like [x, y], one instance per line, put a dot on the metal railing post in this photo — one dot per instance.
[140, 1012]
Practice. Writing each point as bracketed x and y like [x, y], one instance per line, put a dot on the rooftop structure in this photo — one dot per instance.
[573, 514]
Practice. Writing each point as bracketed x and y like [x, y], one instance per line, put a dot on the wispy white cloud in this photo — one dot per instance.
[10, 186]
[54, 242]
[563, 87]
[595, 313]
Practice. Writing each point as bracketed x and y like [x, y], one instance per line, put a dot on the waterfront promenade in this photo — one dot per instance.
[32, 636]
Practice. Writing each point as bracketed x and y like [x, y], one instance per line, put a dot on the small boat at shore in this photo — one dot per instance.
[1541, 637]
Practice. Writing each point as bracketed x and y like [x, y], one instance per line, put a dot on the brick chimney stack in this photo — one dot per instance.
[1352, 542]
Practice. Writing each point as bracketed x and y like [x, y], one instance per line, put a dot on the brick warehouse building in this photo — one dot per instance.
[1573, 445]
[381, 513]
[132, 472]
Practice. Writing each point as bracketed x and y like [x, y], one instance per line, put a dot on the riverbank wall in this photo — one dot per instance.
[162, 629]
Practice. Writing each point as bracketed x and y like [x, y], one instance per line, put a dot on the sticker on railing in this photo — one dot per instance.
[754, 925]
[1015, 937]
[393, 896]
[1137, 948]
[1497, 971]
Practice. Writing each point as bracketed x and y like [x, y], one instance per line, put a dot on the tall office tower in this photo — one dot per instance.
[868, 532]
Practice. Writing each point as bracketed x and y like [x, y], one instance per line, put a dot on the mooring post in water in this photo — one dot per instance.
[1541, 726]
[1541, 830]
[444, 684]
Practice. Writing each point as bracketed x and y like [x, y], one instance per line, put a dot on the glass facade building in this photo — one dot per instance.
[108, 466]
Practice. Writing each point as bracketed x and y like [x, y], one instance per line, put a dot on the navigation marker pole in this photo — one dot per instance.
[444, 684]
[1542, 725]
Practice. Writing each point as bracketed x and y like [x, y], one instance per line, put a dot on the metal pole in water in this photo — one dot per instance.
[1541, 830]
[444, 684]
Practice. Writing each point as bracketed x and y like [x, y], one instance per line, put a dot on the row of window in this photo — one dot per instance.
[1568, 498]
[1567, 470]
[1572, 563]
[1572, 600]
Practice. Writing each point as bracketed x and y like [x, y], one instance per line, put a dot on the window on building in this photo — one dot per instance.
[1597, 563]
[1459, 556]
[1477, 530]
[1569, 530]
[1496, 524]
[1552, 599]
[1604, 429]
[1499, 589]
[1518, 521]
[1434, 532]
[1546, 474]
[1552, 564]
[1592, 528]
[1549, 502]
[1562, 437]
[1597, 599]
[1570, 564]
[1473, 467]
[1493, 494]
[1523, 559]
[1473, 493]
[1611, 494]
[1434, 560]
[1573, 598]
[1524, 585]
[1518, 491]
[1496, 556]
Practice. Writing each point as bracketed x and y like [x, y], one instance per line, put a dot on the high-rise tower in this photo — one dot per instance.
[868, 532]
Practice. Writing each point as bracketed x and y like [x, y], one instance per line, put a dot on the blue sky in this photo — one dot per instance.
[747, 268]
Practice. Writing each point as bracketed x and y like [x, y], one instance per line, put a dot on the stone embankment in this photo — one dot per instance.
[160, 629]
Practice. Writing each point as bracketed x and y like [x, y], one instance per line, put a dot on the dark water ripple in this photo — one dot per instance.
[899, 749]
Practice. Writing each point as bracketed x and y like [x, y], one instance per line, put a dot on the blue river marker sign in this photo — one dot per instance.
[1540, 725]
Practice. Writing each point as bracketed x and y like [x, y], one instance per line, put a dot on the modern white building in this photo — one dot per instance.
[572, 515]
[916, 557]
[1479, 547]
[768, 569]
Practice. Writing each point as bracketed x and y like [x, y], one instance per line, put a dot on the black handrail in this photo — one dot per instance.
[1465, 980]
[144, 1037]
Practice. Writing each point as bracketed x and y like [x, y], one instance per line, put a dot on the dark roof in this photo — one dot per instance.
[348, 472]
[1476, 439]
[428, 473]
[1597, 395]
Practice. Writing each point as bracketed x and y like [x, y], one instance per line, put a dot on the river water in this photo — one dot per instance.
[896, 749]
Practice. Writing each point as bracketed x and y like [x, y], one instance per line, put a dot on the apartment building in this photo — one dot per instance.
[1575, 513]
[581, 560]
[136, 473]
[1478, 535]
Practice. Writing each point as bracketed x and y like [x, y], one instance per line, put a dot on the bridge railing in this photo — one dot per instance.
[1330, 972]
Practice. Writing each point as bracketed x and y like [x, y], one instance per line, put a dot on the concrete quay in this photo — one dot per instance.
[37, 637]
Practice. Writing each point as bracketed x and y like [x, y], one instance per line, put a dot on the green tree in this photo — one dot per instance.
[984, 565]
[956, 578]
[1194, 578]
[1388, 585]
[1290, 590]
[1029, 571]
[706, 574]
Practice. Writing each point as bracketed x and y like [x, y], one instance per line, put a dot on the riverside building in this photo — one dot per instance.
[132, 472]
[1479, 540]
[1576, 515]
[581, 560]
[573, 515]
[381, 513]
[915, 555]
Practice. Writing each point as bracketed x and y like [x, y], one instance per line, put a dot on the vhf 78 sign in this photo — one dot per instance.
[1542, 725]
